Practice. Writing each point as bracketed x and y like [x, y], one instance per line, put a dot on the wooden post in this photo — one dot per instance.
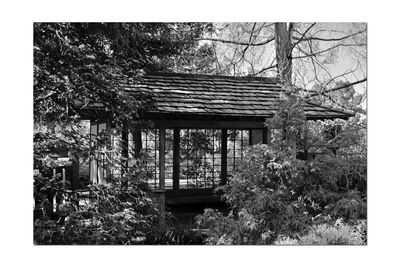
[268, 136]
[137, 136]
[176, 159]
[161, 189]
[93, 163]
[64, 176]
[124, 148]
[108, 155]
[224, 155]
[265, 136]
[75, 170]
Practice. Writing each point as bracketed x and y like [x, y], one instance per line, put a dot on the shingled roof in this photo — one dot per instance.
[221, 96]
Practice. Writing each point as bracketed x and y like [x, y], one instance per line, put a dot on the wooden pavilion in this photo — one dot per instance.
[225, 113]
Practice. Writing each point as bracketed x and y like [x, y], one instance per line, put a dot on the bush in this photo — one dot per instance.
[108, 214]
[340, 234]
[273, 195]
[231, 230]
[324, 234]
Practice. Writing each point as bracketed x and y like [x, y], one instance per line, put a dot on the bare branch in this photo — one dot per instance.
[340, 75]
[237, 42]
[325, 50]
[342, 87]
[300, 39]
[264, 69]
[302, 36]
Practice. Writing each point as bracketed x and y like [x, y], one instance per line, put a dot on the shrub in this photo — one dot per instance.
[273, 195]
[111, 214]
[231, 230]
[340, 234]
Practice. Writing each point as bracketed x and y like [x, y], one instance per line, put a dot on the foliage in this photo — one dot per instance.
[272, 195]
[339, 234]
[80, 64]
[263, 198]
[88, 60]
[234, 229]
[176, 237]
[288, 121]
[103, 214]
[324, 234]
[117, 213]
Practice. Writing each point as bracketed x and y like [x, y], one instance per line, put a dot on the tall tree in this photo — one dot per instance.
[283, 47]
[85, 63]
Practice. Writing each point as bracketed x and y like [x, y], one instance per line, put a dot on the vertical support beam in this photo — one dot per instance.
[137, 136]
[162, 158]
[161, 190]
[108, 156]
[306, 141]
[64, 180]
[94, 129]
[250, 137]
[124, 154]
[75, 170]
[268, 136]
[224, 155]
[176, 160]
[265, 136]
[124, 149]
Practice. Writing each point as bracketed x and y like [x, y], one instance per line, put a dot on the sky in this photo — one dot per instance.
[338, 61]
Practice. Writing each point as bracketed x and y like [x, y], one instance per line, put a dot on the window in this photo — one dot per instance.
[200, 158]
[150, 151]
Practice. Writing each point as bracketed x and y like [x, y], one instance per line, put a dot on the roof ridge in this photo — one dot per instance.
[211, 76]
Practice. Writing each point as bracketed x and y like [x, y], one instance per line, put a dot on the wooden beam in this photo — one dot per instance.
[268, 136]
[224, 155]
[137, 135]
[75, 171]
[265, 136]
[176, 159]
[94, 129]
[161, 189]
[108, 155]
[209, 124]
[124, 149]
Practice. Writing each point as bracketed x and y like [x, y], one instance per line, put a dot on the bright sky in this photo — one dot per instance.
[340, 60]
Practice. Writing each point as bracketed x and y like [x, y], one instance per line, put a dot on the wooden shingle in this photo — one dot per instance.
[235, 97]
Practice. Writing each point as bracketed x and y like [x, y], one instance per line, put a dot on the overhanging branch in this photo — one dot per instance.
[237, 42]
[341, 87]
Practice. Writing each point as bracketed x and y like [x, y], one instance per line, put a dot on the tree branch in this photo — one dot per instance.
[264, 69]
[342, 87]
[302, 36]
[327, 39]
[325, 50]
[237, 42]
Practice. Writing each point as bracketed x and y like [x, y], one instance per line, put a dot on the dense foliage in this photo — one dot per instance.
[81, 64]
[311, 176]
[109, 214]
[307, 187]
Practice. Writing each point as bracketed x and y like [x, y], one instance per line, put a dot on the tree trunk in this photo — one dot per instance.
[283, 47]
